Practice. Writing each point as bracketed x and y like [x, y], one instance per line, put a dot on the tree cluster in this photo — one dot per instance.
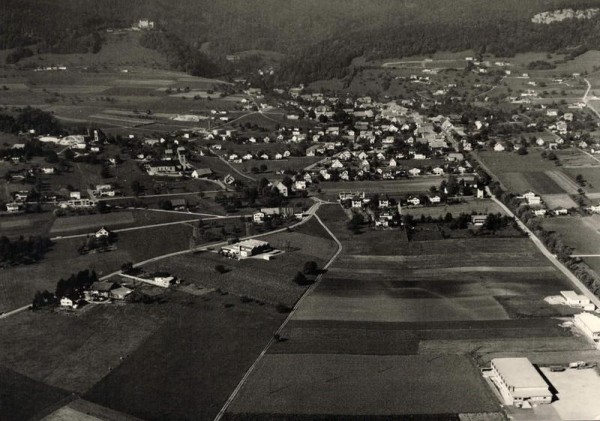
[23, 251]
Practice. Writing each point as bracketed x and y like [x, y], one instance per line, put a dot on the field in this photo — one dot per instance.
[387, 306]
[74, 362]
[416, 185]
[573, 158]
[91, 222]
[188, 367]
[17, 389]
[19, 284]
[173, 361]
[590, 175]
[520, 173]
[363, 385]
[479, 206]
[269, 281]
[554, 201]
[580, 233]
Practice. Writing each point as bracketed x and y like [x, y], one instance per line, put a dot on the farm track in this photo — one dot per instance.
[286, 321]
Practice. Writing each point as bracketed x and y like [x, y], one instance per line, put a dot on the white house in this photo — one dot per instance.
[258, 217]
[499, 147]
[102, 233]
[414, 171]
[67, 302]
[519, 382]
[415, 201]
[438, 171]
[337, 164]
[435, 199]
[300, 185]
[392, 163]
[532, 198]
[281, 188]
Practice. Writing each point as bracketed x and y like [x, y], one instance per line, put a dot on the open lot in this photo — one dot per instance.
[577, 397]
[309, 384]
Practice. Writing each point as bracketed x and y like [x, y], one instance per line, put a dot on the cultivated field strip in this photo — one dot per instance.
[364, 385]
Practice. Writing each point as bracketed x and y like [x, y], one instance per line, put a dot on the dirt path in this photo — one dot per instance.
[290, 316]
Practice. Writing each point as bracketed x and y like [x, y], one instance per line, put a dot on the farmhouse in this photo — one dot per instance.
[245, 249]
[589, 324]
[519, 382]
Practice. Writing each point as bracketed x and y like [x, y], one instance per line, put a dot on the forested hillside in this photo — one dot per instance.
[320, 38]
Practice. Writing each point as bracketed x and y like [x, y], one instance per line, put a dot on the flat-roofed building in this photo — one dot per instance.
[519, 382]
[590, 325]
[574, 299]
[245, 248]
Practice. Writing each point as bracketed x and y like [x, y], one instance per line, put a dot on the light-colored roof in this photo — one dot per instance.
[572, 295]
[591, 321]
[519, 373]
[252, 243]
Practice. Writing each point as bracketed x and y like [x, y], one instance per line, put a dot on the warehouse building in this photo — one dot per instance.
[245, 249]
[577, 300]
[519, 382]
[589, 324]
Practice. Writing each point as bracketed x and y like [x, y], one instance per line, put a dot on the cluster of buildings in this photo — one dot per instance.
[245, 249]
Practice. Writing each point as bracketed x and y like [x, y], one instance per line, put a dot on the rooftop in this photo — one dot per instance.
[519, 373]
[590, 320]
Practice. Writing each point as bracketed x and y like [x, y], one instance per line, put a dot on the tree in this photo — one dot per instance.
[220, 269]
[580, 180]
[137, 187]
[300, 279]
[310, 267]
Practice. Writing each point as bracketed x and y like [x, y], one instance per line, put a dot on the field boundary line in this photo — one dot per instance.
[308, 291]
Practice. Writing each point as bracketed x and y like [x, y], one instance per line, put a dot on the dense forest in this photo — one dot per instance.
[319, 38]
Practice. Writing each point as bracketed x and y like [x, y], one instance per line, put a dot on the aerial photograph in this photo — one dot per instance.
[298, 210]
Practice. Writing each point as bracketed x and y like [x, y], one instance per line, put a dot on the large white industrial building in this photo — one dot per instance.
[519, 382]
[589, 324]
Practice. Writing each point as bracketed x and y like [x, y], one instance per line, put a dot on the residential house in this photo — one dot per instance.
[499, 147]
[415, 201]
[258, 217]
[282, 188]
[102, 233]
